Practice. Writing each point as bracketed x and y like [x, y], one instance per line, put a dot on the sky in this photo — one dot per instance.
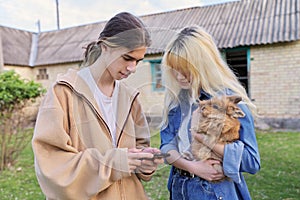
[25, 14]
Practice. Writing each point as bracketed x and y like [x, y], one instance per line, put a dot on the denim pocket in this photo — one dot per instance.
[199, 189]
[191, 188]
[206, 187]
[178, 185]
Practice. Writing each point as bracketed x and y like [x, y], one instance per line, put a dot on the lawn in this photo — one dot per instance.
[279, 178]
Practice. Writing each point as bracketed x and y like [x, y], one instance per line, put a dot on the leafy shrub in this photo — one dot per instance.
[15, 95]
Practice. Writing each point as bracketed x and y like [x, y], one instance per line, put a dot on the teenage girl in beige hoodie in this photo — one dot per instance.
[91, 136]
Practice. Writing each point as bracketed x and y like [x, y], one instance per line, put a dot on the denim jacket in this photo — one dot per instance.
[240, 156]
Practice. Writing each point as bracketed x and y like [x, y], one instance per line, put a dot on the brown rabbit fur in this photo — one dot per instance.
[217, 119]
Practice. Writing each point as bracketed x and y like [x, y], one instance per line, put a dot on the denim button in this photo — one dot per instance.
[220, 198]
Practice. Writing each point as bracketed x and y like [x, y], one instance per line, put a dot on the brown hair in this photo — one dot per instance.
[123, 30]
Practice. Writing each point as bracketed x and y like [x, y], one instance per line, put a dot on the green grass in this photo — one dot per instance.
[19, 182]
[279, 178]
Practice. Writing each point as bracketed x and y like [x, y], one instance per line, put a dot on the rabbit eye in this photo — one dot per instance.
[215, 106]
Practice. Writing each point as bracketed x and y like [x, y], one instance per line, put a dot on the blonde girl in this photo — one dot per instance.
[193, 69]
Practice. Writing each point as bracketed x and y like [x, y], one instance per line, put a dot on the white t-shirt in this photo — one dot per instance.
[108, 105]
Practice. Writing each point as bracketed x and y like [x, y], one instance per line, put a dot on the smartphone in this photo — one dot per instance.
[161, 155]
[157, 156]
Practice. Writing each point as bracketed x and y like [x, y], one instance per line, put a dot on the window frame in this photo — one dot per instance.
[42, 74]
[154, 73]
[247, 49]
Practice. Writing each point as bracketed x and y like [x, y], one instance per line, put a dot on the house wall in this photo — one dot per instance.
[275, 83]
[151, 101]
[31, 73]
[24, 72]
[53, 71]
[1, 55]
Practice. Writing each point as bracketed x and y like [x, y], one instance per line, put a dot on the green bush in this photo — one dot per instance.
[15, 91]
[15, 94]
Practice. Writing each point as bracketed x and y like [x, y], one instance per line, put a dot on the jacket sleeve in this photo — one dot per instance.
[168, 134]
[63, 170]
[142, 132]
[242, 155]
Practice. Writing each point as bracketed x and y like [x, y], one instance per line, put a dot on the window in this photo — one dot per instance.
[157, 82]
[237, 59]
[42, 75]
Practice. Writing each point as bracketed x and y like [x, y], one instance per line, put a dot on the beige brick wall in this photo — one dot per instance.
[53, 71]
[24, 72]
[152, 101]
[31, 73]
[275, 79]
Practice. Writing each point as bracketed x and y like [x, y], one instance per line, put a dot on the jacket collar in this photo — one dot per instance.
[126, 95]
[204, 95]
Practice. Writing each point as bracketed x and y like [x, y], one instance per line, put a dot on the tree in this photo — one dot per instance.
[15, 94]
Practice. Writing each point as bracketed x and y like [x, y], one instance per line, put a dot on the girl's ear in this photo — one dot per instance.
[103, 46]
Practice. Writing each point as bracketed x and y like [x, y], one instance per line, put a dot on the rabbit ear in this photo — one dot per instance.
[201, 103]
[238, 112]
[234, 98]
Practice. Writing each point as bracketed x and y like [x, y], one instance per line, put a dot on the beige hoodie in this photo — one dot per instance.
[74, 154]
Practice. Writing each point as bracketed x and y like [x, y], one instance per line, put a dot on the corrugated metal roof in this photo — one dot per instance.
[66, 45]
[240, 23]
[246, 22]
[16, 45]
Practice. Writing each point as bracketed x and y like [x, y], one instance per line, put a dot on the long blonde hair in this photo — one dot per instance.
[193, 53]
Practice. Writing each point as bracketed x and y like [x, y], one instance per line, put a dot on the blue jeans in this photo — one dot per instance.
[186, 188]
